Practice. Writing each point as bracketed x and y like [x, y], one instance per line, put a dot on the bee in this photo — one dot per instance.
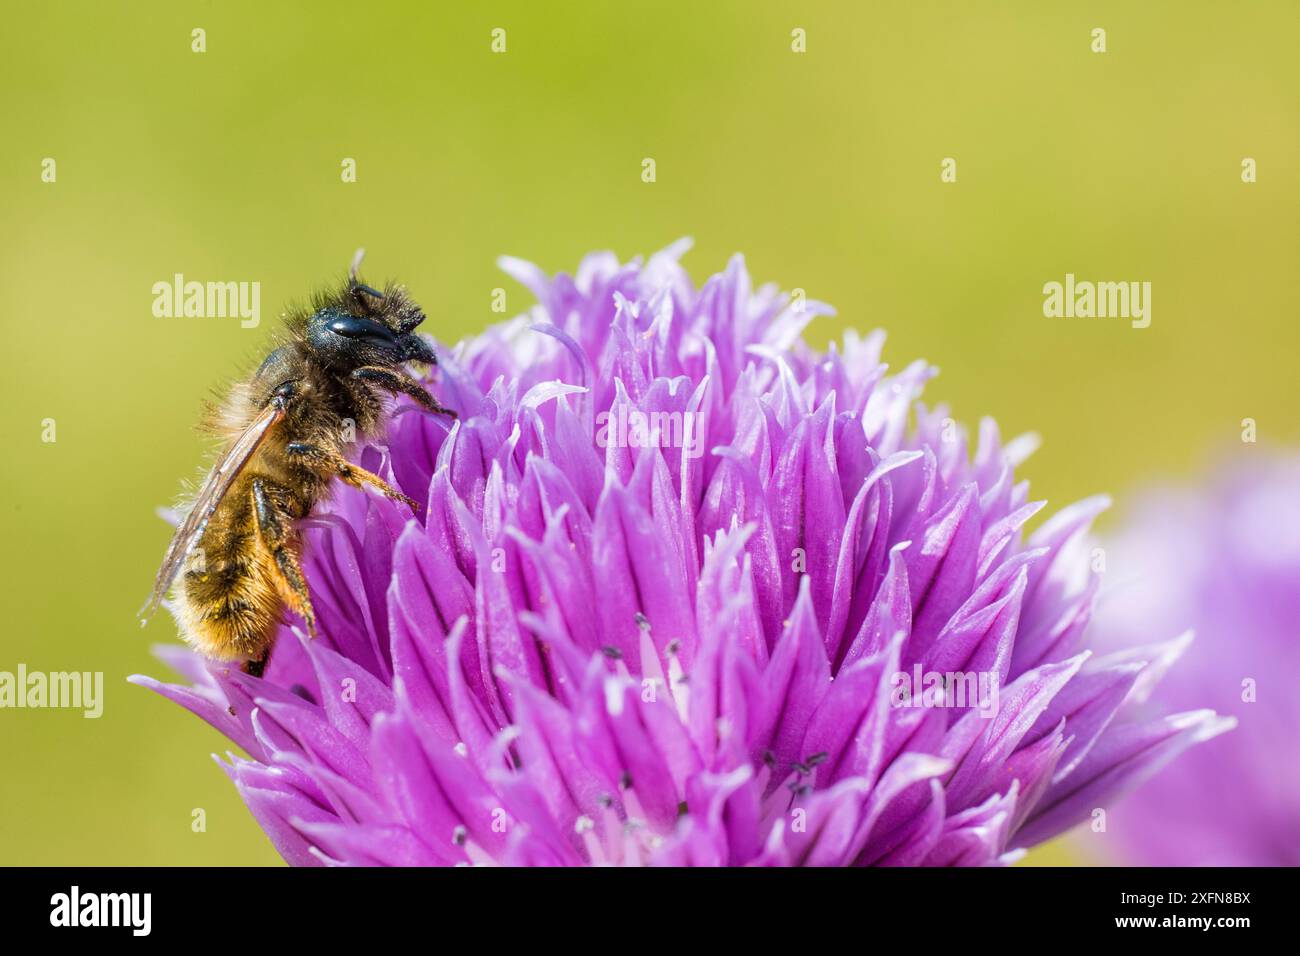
[237, 551]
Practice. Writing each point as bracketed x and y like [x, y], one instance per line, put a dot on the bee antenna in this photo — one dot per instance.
[355, 285]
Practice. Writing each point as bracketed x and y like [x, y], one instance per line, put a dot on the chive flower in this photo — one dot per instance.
[685, 591]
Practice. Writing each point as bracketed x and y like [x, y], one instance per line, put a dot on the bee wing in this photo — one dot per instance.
[214, 489]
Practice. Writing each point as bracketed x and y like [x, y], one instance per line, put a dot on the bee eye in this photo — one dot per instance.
[354, 327]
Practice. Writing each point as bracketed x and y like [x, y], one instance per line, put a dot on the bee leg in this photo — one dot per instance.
[329, 462]
[397, 381]
[273, 524]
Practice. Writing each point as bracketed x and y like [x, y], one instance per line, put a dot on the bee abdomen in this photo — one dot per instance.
[229, 608]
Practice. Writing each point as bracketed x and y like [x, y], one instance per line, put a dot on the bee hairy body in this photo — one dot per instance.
[287, 432]
[229, 604]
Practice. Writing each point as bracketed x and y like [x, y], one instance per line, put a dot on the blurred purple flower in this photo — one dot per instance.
[671, 567]
[1223, 561]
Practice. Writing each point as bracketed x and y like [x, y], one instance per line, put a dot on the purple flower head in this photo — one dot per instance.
[1224, 561]
[684, 591]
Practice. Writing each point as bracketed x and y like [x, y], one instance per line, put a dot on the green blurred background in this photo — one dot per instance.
[822, 167]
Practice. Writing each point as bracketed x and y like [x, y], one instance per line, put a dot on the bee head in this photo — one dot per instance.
[359, 325]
